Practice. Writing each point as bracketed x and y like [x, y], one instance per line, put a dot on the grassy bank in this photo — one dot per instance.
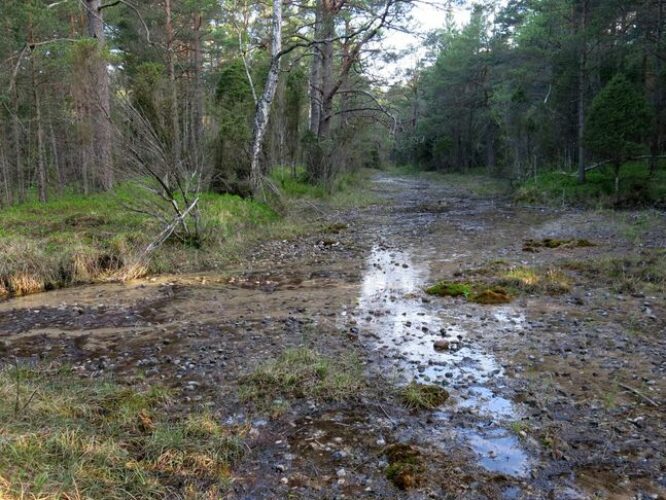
[79, 239]
[637, 188]
[346, 191]
[62, 437]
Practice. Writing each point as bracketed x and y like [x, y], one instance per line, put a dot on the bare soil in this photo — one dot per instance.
[551, 396]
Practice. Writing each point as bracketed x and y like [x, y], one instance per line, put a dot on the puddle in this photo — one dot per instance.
[499, 451]
[403, 325]
[485, 402]
[406, 328]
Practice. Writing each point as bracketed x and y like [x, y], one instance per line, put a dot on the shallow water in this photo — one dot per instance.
[499, 451]
[405, 324]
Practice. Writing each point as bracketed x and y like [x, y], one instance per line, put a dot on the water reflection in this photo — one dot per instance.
[430, 343]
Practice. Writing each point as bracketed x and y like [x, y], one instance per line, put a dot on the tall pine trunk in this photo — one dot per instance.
[198, 105]
[171, 73]
[657, 93]
[101, 94]
[582, 84]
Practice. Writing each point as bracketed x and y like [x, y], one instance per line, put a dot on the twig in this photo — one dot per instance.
[640, 394]
[386, 413]
[29, 401]
[161, 238]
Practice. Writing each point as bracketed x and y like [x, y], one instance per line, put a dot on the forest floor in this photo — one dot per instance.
[311, 364]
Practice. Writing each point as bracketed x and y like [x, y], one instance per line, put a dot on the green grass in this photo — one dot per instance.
[293, 182]
[346, 191]
[520, 428]
[79, 239]
[637, 188]
[75, 239]
[303, 373]
[62, 437]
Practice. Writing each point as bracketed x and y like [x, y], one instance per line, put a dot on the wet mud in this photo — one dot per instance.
[550, 396]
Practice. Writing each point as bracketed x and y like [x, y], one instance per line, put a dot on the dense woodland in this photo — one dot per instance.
[94, 93]
[529, 86]
[212, 94]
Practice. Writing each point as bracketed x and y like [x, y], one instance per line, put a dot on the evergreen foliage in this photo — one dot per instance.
[618, 121]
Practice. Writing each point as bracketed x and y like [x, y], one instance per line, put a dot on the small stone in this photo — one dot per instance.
[441, 345]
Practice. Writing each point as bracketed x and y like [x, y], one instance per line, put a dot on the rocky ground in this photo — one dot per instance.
[557, 394]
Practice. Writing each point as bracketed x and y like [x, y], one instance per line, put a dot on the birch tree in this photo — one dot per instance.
[266, 100]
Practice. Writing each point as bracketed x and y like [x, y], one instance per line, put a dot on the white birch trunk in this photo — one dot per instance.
[266, 101]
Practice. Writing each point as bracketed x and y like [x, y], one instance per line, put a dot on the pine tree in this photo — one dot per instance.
[617, 123]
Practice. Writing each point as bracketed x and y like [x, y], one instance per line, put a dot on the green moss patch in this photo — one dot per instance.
[481, 292]
[500, 283]
[406, 466]
[450, 289]
[534, 246]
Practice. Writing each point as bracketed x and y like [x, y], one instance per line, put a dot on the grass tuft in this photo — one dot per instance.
[62, 437]
[550, 281]
[303, 373]
[422, 396]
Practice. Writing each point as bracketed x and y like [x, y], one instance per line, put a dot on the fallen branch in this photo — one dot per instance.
[640, 395]
[606, 162]
[139, 267]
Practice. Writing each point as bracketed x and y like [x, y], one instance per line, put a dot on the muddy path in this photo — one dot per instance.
[551, 396]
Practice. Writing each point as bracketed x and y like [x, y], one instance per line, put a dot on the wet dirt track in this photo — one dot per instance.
[539, 404]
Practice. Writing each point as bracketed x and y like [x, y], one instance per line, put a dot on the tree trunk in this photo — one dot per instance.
[56, 159]
[315, 76]
[657, 94]
[198, 105]
[171, 71]
[327, 54]
[6, 175]
[101, 119]
[266, 101]
[41, 164]
[582, 76]
[18, 150]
